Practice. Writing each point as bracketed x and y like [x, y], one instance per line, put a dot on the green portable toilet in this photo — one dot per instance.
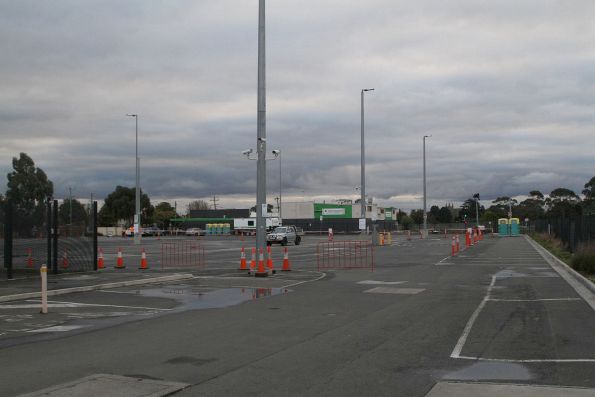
[515, 227]
[503, 227]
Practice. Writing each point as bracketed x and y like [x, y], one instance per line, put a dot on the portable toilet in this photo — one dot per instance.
[226, 228]
[220, 228]
[209, 228]
[515, 226]
[503, 227]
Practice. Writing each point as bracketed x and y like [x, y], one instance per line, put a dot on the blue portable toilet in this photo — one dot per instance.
[503, 227]
[515, 227]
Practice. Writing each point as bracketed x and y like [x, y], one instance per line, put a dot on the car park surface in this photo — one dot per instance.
[496, 313]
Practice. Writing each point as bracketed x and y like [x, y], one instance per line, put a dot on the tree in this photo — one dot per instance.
[79, 213]
[563, 202]
[406, 222]
[417, 216]
[589, 201]
[444, 215]
[163, 213]
[533, 207]
[120, 205]
[197, 205]
[28, 189]
[501, 205]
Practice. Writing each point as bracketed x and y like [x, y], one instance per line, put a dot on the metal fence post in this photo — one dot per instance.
[94, 231]
[8, 239]
[55, 239]
[49, 231]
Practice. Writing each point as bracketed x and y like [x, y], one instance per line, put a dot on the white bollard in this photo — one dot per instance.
[44, 289]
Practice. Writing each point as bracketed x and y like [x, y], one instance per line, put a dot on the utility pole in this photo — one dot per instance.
[70, 203]
[425, 232]
[214, 200]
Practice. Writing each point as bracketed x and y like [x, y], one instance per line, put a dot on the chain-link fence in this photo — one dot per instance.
[573, 231]
[35, 237]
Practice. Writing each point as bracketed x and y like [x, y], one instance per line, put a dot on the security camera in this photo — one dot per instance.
[276, 152]
[247, 152]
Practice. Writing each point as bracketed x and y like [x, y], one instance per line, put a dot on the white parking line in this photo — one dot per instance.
[456, 353]
[536, 300]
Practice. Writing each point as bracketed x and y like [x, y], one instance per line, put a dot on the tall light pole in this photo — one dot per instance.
[363, 160]
[261, 141]
[137, 220]
[425, 232]
[277, 153]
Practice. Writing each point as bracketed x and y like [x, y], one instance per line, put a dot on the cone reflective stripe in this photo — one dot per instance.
[243, 260]
[100, 263]
[119, 260]
[286, 266]
[458, 243]
[253, 260]
[65, 259]
[453, 247]
[269, 258]
[409, 235]
[261, 271]
[143, 260]
[29, 257]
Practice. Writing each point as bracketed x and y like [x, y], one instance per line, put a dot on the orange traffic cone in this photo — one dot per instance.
[243, 260]
[30, 257]
[458, 243]
[253, 260]
[143, 260]
[270, 260]
[100, 264]
[261, 272]
[453, 247]
[408, 235]
[65, 259]
[120, 260]
[286, 266]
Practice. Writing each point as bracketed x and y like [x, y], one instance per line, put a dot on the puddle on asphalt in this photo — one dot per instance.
[191, 298]
[491, 371]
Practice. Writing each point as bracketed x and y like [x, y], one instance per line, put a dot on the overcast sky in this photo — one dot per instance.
[505, 88]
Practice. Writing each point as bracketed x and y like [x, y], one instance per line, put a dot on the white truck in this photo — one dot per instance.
[243, 225]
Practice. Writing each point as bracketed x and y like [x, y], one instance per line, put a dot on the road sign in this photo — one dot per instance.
[362, 224]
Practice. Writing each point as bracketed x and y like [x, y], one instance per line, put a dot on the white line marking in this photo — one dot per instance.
[400, 291]
[75, 304]
[535, 300]
[536, 360]
[374, 282]
[57, 328]
[461, 342]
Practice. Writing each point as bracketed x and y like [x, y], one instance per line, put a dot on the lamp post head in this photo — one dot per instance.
[367, 89]
[132, 115]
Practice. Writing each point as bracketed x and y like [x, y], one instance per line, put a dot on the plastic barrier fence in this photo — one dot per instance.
[182, 254]
[345, 255]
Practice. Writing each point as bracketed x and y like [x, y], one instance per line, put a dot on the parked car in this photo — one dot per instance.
[282, 235]
[151, 231]
[195, 231]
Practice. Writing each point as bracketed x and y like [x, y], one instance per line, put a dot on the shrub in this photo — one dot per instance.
[583, 259]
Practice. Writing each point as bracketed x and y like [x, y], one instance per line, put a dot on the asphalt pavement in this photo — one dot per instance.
[422, 323]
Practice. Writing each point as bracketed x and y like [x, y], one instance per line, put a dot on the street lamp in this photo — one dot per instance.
[137, 220]
[425, 233]
[363, 161]
[476, 197]
[277, 153]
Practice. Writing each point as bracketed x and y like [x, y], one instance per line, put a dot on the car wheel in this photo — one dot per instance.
[298, 240]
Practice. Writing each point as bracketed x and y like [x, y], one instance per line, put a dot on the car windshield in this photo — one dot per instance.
[281, 230]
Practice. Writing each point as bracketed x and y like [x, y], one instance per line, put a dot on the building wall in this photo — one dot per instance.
[332, 211]
[371, 211]
[297, 210]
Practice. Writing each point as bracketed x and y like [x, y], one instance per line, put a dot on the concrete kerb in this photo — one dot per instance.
[86, 288]
[582, 285]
